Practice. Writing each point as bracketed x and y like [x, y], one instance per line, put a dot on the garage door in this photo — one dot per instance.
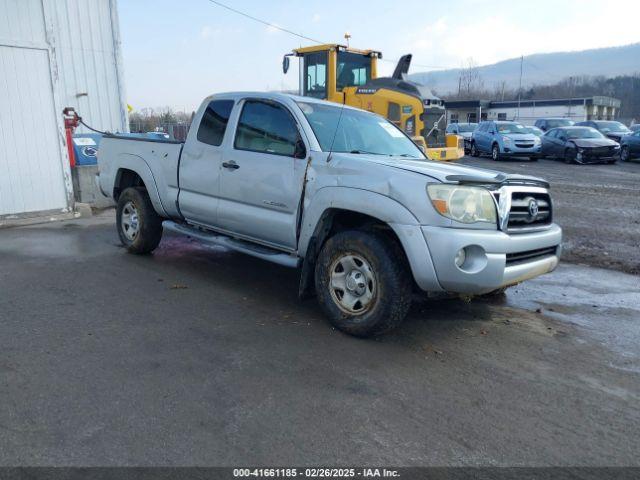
[31, 174]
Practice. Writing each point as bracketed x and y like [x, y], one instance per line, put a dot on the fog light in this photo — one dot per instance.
[461, 256]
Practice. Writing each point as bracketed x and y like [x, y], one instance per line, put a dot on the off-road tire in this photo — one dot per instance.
[149, 231]
[474, 150]
[393, 282]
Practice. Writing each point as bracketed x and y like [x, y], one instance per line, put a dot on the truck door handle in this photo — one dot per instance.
[231, 165]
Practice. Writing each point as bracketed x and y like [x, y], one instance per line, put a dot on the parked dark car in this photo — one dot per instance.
[635, 128]
[612, 129]
[546, 124]
[630, 146]
[579, 145]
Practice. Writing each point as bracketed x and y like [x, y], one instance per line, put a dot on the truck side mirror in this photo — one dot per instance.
[285, 64]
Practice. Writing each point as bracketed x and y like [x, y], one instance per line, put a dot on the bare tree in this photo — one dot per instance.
[470, 80]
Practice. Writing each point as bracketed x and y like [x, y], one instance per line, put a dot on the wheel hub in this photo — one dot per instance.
[352, 284]
[356, 282]
[129, 221]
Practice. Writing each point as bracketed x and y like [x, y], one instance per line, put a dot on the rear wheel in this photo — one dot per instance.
[624, 154]
[363, 283]
[474, 150]
[139, 226]
[495, 152]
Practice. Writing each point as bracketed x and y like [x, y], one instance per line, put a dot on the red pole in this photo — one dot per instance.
[72, 156]
[71, 121]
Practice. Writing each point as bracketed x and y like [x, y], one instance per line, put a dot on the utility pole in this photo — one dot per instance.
[520, 86]
[570, 95]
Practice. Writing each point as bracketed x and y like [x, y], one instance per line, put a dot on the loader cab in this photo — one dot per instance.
[326, 70]
[349, 76]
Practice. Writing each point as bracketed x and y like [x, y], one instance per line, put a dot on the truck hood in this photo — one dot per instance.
[452, 173]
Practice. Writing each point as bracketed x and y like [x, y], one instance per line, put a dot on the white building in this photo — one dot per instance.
[528, 111]
[53, 54]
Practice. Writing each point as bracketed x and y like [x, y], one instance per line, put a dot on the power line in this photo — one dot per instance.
[264, 22]
[299, 35]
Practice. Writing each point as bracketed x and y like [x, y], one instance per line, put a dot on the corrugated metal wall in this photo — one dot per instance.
[53, 53]
[85, 50]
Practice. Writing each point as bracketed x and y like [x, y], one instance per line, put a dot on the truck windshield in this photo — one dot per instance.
[356, 131]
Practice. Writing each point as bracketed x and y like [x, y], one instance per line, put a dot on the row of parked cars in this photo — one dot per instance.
[593, 141]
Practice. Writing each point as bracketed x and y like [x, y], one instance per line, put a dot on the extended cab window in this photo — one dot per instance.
[214, 122]
[266, 127]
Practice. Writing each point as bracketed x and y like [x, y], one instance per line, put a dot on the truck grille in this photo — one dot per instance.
[529, 209]
[518, 257]
[523, 214]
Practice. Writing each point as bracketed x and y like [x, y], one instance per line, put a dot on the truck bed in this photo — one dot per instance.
[155, 160]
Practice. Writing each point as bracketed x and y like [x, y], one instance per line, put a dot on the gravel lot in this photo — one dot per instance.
[598, 207]
[197, 356]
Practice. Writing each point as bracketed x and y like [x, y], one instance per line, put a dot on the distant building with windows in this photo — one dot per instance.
[528, 111]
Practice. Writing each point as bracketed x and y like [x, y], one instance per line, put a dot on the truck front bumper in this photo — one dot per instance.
[492, 259]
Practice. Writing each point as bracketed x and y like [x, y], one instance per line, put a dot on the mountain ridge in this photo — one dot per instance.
[541, 68]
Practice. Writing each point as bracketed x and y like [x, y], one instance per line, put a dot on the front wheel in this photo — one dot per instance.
[495, 152]
[139, 226]
[569, 156]
[624, 154]
[363, 283]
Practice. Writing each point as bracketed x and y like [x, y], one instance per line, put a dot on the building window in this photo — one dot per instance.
[502, 116]
[454, 118]
[472, 117]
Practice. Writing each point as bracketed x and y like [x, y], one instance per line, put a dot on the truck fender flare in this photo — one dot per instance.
[138, 165]
[317, 221]
[352, 199]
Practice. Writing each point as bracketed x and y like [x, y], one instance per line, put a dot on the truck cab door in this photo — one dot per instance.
[262, 175]
[199, 168]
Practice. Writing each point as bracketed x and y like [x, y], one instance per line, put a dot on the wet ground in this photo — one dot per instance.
[598, 207]
[197, 356]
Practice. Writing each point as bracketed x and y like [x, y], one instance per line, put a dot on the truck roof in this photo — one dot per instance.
[280, 96]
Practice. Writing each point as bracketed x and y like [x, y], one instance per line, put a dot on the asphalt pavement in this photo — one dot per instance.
[200, 356]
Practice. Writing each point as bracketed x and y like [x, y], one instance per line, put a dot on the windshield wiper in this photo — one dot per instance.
[365, 152]
[406, 155]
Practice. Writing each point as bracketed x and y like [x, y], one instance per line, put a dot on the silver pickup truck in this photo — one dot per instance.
[338, 192]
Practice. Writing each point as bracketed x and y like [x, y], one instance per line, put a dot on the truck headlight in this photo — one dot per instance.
[463, 203]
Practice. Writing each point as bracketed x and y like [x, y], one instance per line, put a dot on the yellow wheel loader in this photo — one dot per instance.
[345, 75]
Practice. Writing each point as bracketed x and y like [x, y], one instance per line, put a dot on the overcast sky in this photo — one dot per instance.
[178, 51]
